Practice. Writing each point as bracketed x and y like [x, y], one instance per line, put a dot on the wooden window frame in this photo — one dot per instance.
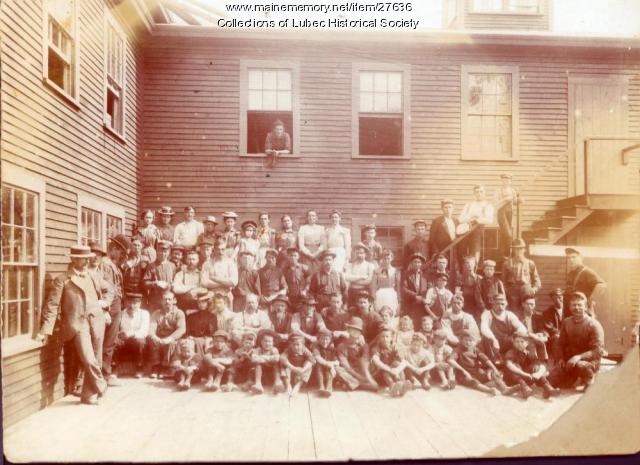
[294, 66]
[405, 69]
[110, 21]
[105, 208]
[515, 110]
[358, 223]
[23, 179]
[505, 10]
[71, 98]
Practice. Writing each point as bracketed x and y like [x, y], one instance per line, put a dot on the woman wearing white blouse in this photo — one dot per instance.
[338, 241]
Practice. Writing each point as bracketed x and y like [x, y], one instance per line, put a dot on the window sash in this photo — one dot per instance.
[91, 226]
[270, 89]
[18, 300]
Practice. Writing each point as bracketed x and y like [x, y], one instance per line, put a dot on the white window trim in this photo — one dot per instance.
[515, 110]
[504, 11]
[24, 179]
[109, 19]
[406, 108]
[73, 100]
[384, 222]
[294, 66]
[104, 207]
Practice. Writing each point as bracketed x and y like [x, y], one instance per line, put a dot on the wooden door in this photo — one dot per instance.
[598, 107]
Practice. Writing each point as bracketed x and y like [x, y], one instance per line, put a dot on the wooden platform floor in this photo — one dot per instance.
[147, 420]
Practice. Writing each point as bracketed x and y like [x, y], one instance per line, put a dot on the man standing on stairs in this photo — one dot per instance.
[581, 278]
[505, 199]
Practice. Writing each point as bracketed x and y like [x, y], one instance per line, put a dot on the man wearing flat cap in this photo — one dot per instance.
[551, 322]
[231, 234]
[419, 244]
[581, 278]
[271, 277]
[359, 272]
[327, 281]
[81, 299]
[158, 276]
[504, 200]
[165, 228]
[297, 277]
[414, 289]
[375, 248]
[248, 280]
[581, 345]
[205, 249]
[209, 224]
[443, 228]
[520, 276]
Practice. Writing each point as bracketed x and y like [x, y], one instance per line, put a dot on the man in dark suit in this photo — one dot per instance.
[414, 289]
[82, 299]
[443, 228]
[551, 323]
[419, 244]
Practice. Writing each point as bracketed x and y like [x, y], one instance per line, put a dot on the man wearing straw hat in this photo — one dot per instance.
[82, 299]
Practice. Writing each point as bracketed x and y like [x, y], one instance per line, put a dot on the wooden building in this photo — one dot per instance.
[106, 111]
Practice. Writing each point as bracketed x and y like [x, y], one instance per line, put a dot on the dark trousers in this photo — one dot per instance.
[505, 218]
[88, 348]
[158, 354]
[111, 335]
[565, 377]
[130, 349]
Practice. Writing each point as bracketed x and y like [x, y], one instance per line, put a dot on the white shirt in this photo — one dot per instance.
[356, 271]
[136, 325]
[186, 233]
[481, 211]
[451, 227]
[221, 268]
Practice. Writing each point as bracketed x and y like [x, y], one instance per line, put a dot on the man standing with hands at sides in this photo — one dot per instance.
[414, 289]
[82, 299]
[443, 228]
[504, 200]
[417, 245]
[231, 235]
[520, 276]
[477, 212]
[159, 276]
[220, 274]
[186, 233]
[581, 278]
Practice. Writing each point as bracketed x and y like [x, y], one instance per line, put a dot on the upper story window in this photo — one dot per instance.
[115, 76]
[269, 98]
[490, 112]
[381, 111]
[507, 6]
[98, 220]
[61, 47]
[22, 257]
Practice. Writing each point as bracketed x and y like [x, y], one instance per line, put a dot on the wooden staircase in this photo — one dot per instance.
[571, 212]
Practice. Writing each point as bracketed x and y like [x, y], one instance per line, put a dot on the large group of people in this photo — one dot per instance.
[253, 307]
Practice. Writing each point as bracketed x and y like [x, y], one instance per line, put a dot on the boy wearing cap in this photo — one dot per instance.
[177, 256]
[443, 228]
[581, 345]
[231, 235]
[297, 277]
[186, 233]
[474, 369]
[271, 277]
[296, 364]
[353, 355]
[205, 248]
[523, 368]
[134, 268]
[217, 359]
[165, 228]
[385, 284]
[307, 322]
[358, 273]
[419, 245]
[414, 289]
[248, 280]
[241, 368]
[442, 356]
[419, 362]
[488, 286]
[134, 329]
[519, 275]
[441, 267]
[327, 365]
[375, 248]
[266, 358]
[281, 320]
[456, 321]
[326, 281]
[388, 366]
[438, 299]
[209, 233]
[185, 362]
[551, 322]
[158, 276]
[186, 282]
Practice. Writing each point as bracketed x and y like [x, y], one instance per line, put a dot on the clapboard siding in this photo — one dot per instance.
[192, 132]
[521, 22]
[71, 151]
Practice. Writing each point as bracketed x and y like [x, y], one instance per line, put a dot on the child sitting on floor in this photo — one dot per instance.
[242, 367]
[265, 359]
[404, 334]
[388, 366]
[419, 362]
[474, 369]
[185, 362]
[296, 364]
[442, 355]
[523, 368]
[217, 359]
[327, 365]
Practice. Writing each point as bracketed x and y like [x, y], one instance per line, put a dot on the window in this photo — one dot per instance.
[98, 220]
[390, 237]
[490, 112]
[22, 257]
[507, 6]
[269, 93]
[61, 48]
[381, 111]
[115, 76]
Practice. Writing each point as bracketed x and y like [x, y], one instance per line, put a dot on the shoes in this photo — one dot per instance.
[255, 389]
[91, 400]
[406, 387]
[112, 381]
